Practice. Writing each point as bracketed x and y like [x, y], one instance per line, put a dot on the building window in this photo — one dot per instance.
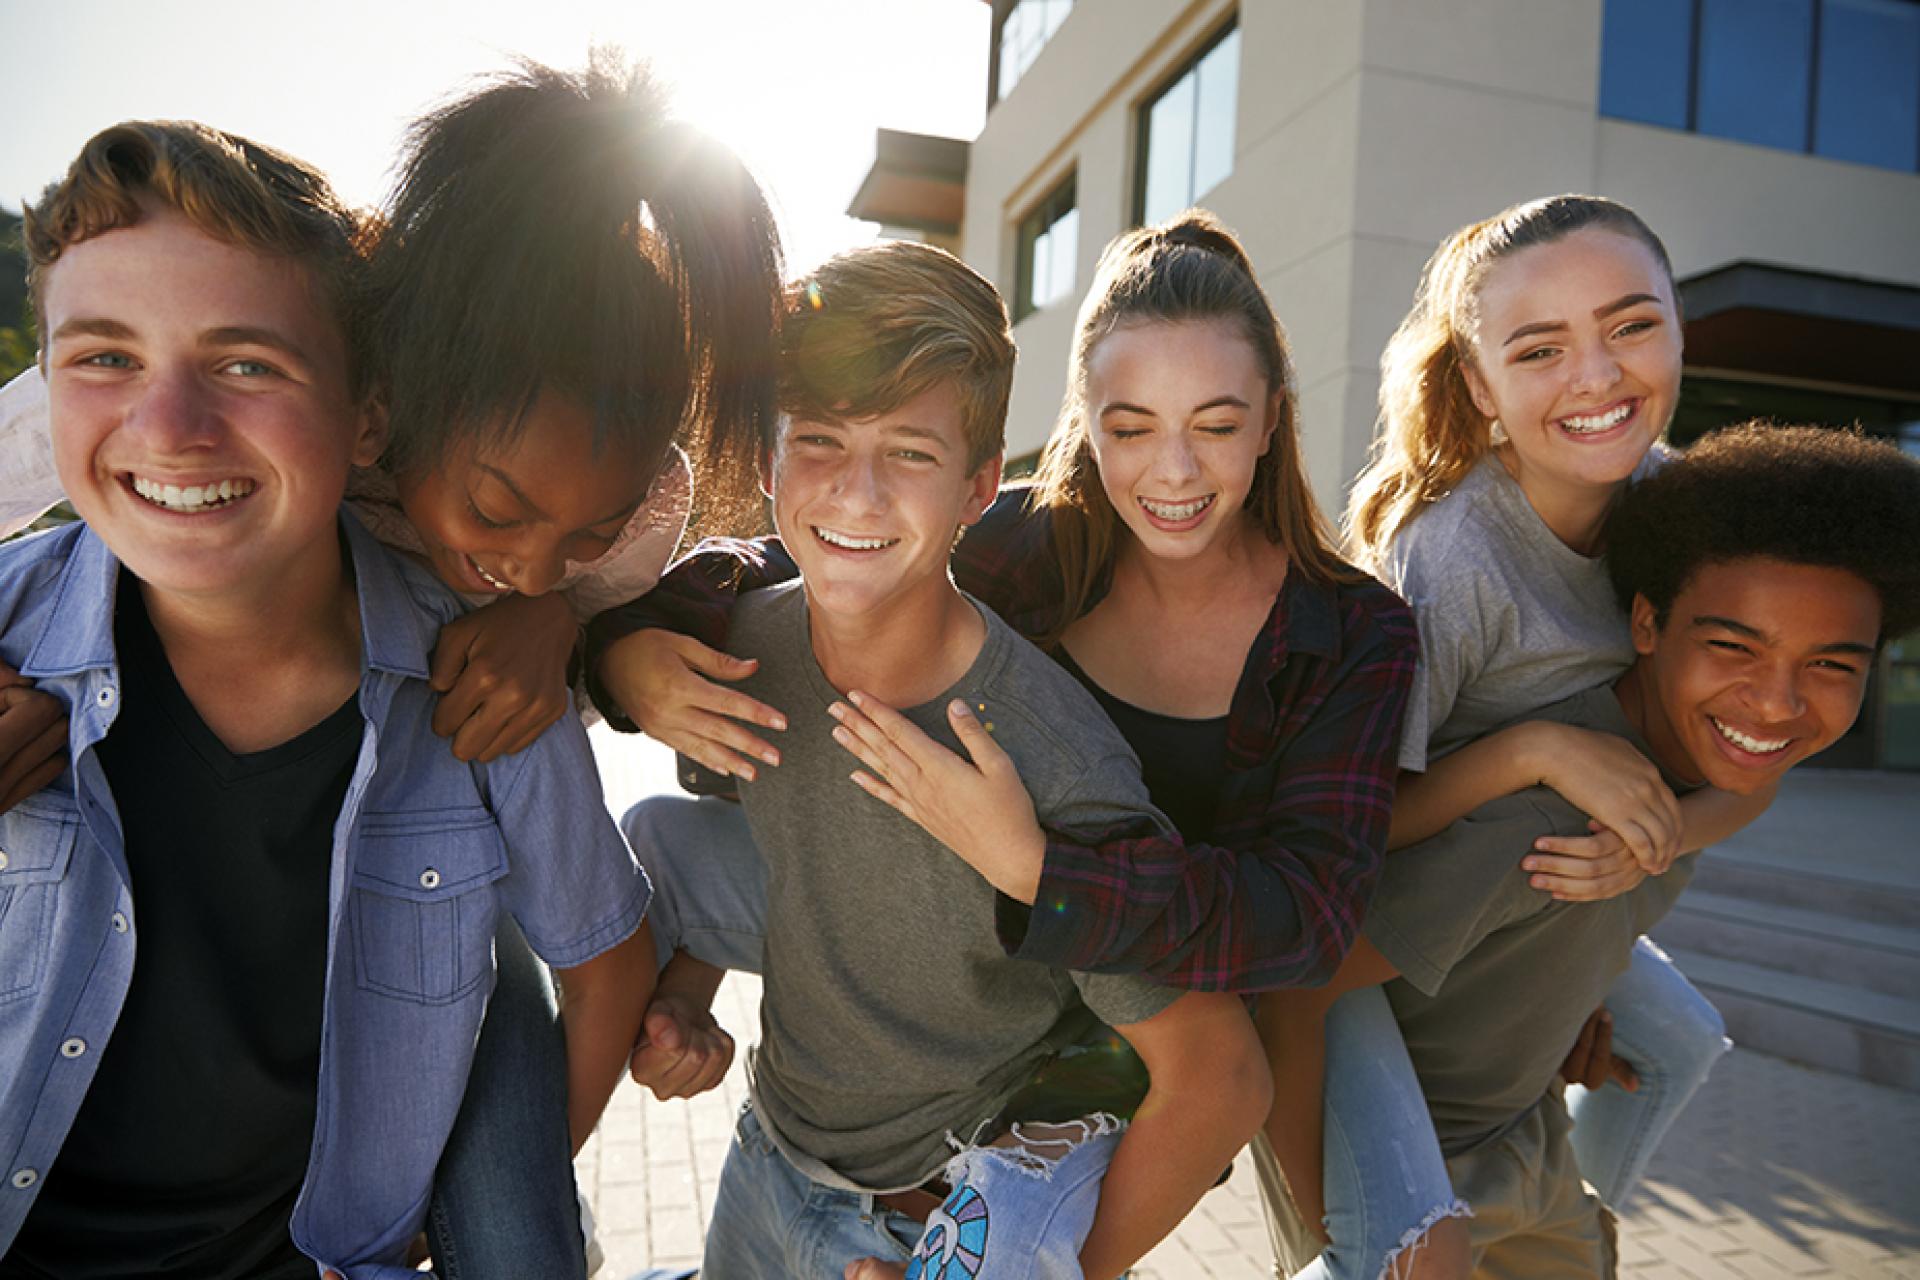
[1049, 245]
[1024, 31]
[1838, 78]
[1186, 131]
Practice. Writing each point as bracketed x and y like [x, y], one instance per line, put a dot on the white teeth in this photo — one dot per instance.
[1177, 511]
[1756, 746]
[194, 497]
[1586, 425]
[851, 543]
[488, 578]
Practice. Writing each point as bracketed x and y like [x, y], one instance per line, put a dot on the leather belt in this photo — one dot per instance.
[918, 1202]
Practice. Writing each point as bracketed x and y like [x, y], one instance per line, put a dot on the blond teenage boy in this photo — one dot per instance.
[893, 1024]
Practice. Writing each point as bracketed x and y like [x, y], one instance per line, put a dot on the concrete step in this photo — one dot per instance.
[1832, 1025]
[1879, 958]
[1867, 899]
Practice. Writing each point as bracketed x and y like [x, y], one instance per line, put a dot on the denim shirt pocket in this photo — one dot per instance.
[36, 846]
[423, 907]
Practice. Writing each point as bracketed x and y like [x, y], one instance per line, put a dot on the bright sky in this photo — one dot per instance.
[797, 87]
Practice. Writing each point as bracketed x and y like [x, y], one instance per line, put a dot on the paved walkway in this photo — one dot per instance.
[1776, 1170]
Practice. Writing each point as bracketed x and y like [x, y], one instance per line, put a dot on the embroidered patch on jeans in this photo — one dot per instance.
[955, 1242]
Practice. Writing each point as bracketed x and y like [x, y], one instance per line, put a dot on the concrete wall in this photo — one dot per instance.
[1366, 131]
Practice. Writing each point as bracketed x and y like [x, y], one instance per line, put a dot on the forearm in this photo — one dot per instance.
[694, 599]
[1202, 917]
[1709, 815]
[1501, 763]
[692, 980]
[601, 1005]
[1013, 867]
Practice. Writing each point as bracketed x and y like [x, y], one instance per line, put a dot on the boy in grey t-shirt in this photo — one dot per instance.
[894, 1027]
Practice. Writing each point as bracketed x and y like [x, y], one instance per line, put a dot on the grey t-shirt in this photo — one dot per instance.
[891, 1017]
[1510, 617]
[1498, 977]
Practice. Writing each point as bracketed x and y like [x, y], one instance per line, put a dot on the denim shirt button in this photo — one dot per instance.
[429, 879]
[105, 696]
[24, 1178]
[3, 859]
[73, 1047]
[119, 922]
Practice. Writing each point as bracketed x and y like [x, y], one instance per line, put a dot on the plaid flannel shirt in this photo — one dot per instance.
[1300, 829]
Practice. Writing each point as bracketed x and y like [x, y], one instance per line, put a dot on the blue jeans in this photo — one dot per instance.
[1672, 1035]
[504, 1205]
[769, 1220]
[709, 880]
[1385, 1180]
[1019, 1213]
[1001, 1222]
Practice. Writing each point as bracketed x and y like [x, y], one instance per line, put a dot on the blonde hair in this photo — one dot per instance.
[1430, 432]
[232, 189]
[1188, 268]
[877, 326]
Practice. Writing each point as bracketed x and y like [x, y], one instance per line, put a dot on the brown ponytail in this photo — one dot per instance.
[556, 232]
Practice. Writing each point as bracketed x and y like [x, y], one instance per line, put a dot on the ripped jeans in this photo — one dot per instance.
[1005, 1219]
[1385, 1180]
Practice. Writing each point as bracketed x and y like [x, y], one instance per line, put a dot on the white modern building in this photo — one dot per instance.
[1774, 145]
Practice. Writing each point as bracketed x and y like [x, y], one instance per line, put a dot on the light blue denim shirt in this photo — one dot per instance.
[426, 851]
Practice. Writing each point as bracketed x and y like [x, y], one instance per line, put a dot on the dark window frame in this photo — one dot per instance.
[1144, 113]
[1810, 133]
[1002, 11]
[1061, 199]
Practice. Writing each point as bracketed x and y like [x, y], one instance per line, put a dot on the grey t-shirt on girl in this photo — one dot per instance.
[1510, 617]
[891, 1018]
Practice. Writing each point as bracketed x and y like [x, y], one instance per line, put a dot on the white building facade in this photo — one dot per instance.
[1773, 144]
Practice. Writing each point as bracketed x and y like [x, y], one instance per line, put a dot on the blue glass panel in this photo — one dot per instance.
[1869, 96]
[1646, 56]
[1065, 250]
[1218, 101]
[1756, 70]
[1169, 186]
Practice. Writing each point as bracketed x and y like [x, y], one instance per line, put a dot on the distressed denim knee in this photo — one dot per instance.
[1019, 1210]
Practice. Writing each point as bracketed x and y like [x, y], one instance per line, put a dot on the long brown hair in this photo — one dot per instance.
[1430, 432]
[1188, 268]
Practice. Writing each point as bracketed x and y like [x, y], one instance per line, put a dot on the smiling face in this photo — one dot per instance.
[1180, 415]
[869, 509]
[1577, 355]
[510, 516]
[202, 421]
[1761, 664]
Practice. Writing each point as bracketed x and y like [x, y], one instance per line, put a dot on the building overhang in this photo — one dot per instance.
[917, 180]
[1803, 325]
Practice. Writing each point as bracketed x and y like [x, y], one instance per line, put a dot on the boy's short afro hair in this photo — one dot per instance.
[1804, 495]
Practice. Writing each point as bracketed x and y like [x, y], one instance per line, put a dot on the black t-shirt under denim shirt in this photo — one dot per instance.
[192, 1144]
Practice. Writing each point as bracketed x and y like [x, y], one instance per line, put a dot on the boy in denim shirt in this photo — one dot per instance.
[246, 940]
